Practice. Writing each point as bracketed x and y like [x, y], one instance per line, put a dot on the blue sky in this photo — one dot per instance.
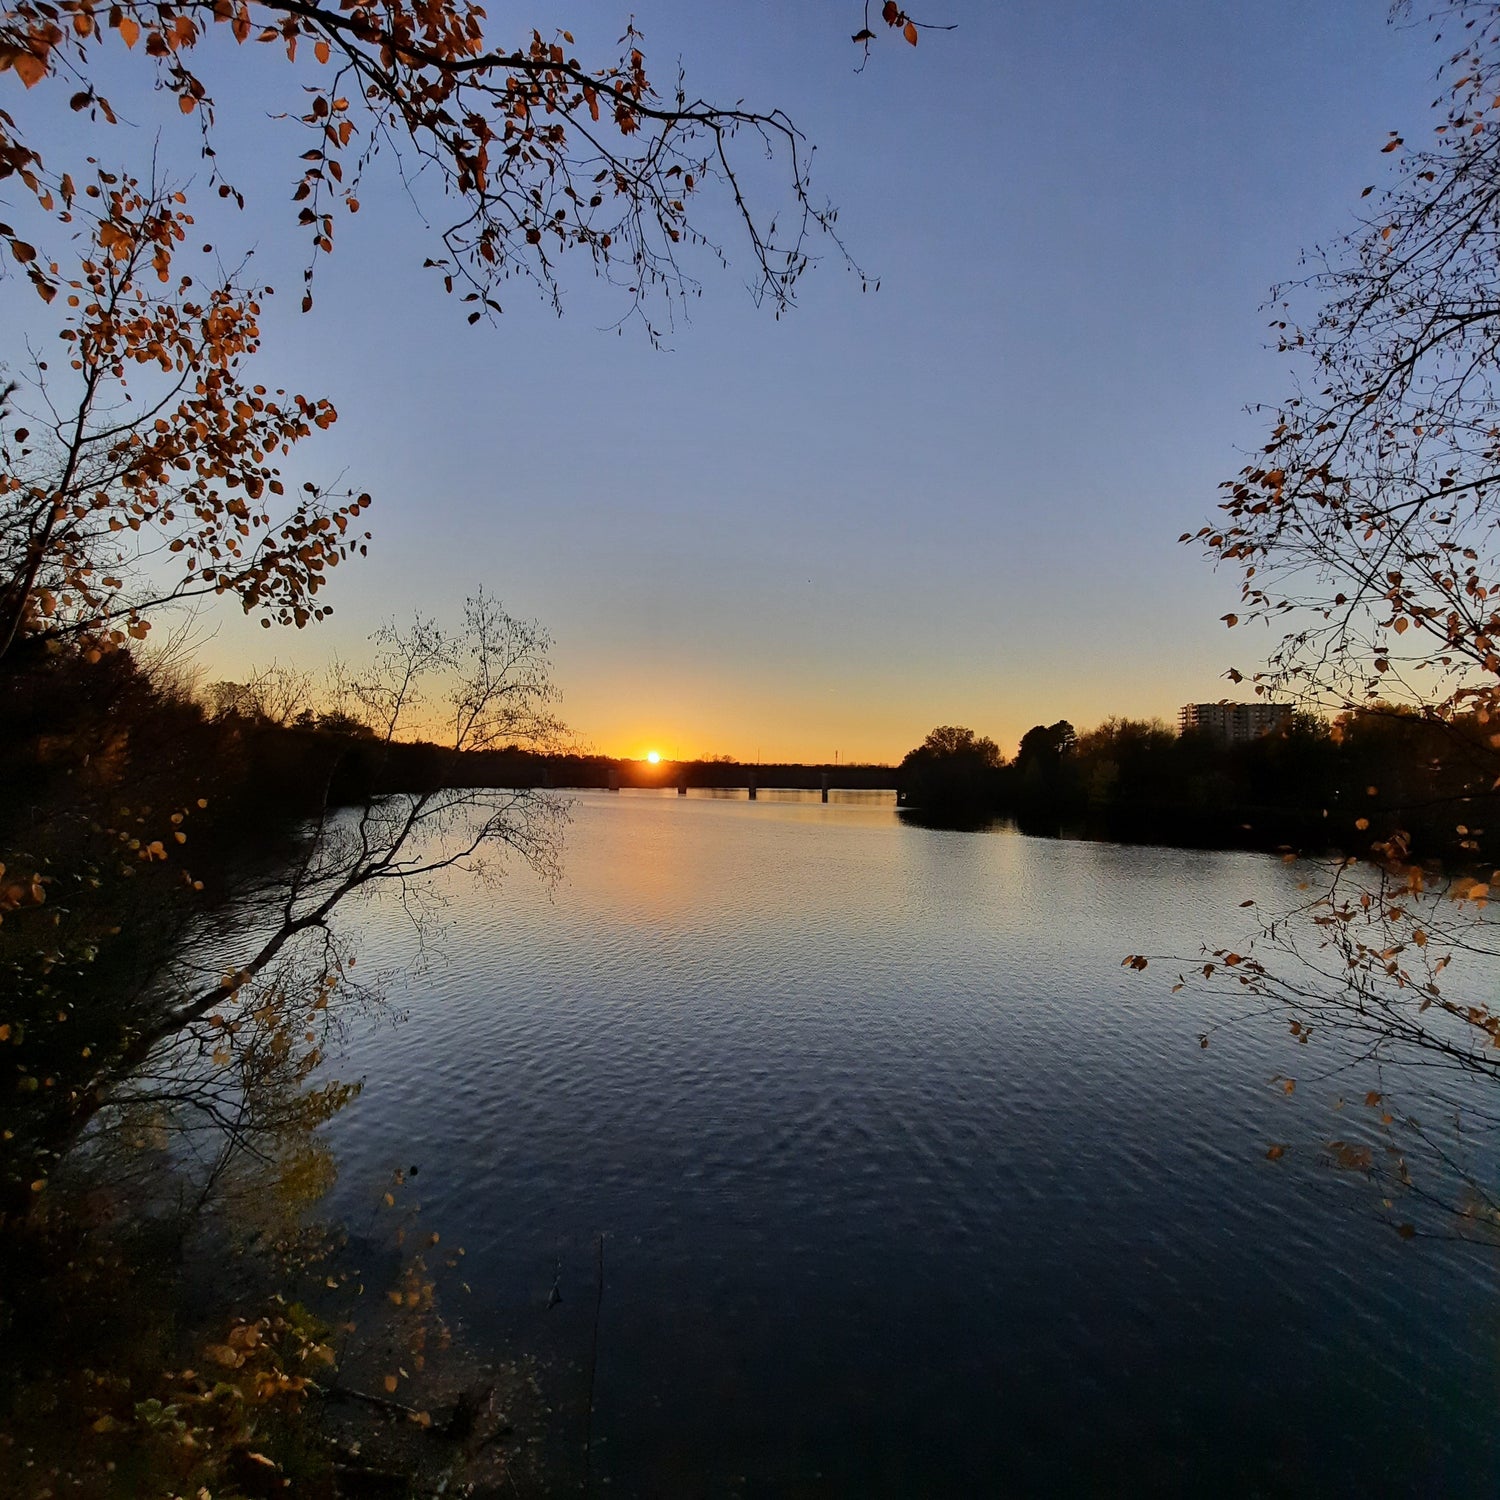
[954, 501]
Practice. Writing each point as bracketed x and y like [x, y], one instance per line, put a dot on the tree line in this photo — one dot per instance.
[1316, 784]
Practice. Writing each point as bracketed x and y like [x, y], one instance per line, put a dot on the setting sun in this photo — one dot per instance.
[654, 756]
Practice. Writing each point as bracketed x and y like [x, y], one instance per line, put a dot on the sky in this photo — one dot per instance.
[954, 501]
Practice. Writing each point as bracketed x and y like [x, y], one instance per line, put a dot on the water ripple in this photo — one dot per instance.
[908, 1188]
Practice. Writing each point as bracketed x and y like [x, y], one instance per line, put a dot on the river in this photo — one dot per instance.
[905, 1186]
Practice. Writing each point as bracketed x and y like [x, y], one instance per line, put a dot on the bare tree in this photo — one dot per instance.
[275, 694]
[209, 1029]
[1365, 531]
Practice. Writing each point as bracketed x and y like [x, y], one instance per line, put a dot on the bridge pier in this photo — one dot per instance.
[752, 786]
[614, 778]
[825, 786]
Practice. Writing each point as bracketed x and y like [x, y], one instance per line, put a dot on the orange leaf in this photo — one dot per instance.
[30, 68]
[910, 32]
[185, 103]
[130, 30]
[322, 51]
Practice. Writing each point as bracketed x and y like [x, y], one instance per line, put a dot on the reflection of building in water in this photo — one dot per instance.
[1233, 723]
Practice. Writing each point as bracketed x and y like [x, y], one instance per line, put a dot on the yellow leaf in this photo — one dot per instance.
[391, 1382]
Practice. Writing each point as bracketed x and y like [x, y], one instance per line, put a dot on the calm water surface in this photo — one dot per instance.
[906, 1187]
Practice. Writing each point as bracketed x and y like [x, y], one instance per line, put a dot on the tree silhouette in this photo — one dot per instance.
[1365, 530]
[952, 775]
[540, 153]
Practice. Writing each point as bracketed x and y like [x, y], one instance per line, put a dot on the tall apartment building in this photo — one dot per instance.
[1233, 723]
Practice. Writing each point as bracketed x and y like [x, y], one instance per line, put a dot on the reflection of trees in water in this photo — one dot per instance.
[229, 1105]
[1355, 970]
[227, 1014]
[179, 1181]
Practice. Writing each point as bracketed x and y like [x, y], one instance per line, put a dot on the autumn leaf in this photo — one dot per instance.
[30, 68]
[1350, 1158]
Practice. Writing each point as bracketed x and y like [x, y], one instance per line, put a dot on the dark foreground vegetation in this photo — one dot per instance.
[1315, 786]
[174, 1318]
